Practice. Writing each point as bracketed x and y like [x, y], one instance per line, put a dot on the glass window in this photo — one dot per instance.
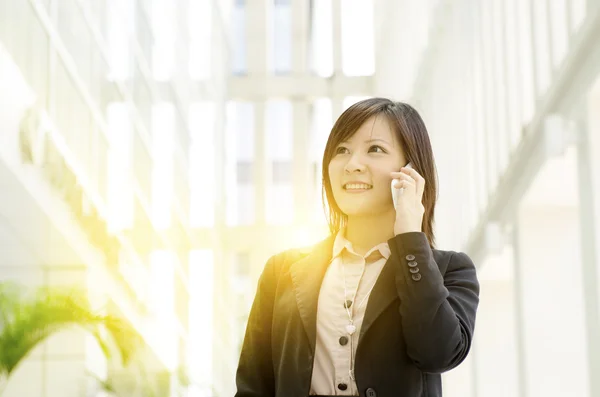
[578, 12]
[202, 164]
[163, 123]
[162, 304]
[500, 111]
[163, 54]
[239, 159]
[527, 83]
[200, 29]
[241, 279]
[281, 37]
[559, 32]
[201, 315]
[238, 25]
[279, 200]
[542, 43]
[358, 51]
[120, 22]
[120, 191]
[513, 74]
[321, 37]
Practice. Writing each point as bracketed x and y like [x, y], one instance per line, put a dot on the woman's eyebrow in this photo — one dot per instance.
[376, 139]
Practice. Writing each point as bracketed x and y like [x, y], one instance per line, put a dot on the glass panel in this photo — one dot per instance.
[281, 37]
[279, 201]
[321, 38]
[120, 22]
[144, 34]
[142, 166]
[120, 192]
[542, 50]
[239, 150]
[162, 152]
[200, 29]
[238, 25]
[513, 73]
[526, 58]
[201, 317]
[578, 13]
[163, 55]
[202, 164]
[500, 131]
[558, 20]
[75, 34]
[358, 52]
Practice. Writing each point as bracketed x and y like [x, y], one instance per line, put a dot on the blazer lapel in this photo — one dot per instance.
[384, 292]
[307, 276]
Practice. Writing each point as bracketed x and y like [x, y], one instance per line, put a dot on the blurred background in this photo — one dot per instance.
[155, 153]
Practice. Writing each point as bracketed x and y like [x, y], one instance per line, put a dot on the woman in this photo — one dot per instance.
[374, 309]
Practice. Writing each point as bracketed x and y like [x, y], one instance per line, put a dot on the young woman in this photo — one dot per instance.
[375, 309]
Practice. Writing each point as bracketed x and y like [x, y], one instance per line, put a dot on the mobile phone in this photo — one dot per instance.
[397, 192]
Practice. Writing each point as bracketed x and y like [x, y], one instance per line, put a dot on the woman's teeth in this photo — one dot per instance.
[357, 186]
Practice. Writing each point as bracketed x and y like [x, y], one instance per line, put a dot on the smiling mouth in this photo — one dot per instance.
[357, 187]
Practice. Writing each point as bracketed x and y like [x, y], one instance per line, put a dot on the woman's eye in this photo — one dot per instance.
[341, 150]
[375, 147]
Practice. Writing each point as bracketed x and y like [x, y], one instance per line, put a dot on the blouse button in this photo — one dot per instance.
[342, 386]
[347, 304]
[343, 340]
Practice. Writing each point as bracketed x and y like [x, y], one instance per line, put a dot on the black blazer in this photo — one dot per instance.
[414, 327]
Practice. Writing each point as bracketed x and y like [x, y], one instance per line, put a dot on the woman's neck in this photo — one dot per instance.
[366, 232]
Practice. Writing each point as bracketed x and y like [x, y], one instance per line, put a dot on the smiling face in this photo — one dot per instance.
[359, 170]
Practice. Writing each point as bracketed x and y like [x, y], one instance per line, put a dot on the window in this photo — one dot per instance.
[358, 45]
[202, 164]
[120, 191]
[321, 37]
[120, 22]
[526, 64]
[239, 155]
[280, 198]
[163, 123]
[281, 37]
[558, 21]
[542, 46]
[201, 315]
[238, 25]
[163, 54]
[200, 29]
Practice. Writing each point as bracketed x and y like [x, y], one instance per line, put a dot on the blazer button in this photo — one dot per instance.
[342, 386]
[414, 270]
[371, 392]
[412, 264]
[343, 340]
[410, 257]
[416, 277]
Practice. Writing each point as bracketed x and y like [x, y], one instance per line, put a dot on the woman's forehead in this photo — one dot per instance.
[375, 128]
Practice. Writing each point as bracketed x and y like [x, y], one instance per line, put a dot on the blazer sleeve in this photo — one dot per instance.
[438, 312]
[255, 374]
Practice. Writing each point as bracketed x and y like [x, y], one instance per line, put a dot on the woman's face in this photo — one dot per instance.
[359, 170]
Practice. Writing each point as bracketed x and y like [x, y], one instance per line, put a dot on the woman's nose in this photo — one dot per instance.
[354, 165]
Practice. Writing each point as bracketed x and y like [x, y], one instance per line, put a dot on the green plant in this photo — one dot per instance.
[27, 320]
